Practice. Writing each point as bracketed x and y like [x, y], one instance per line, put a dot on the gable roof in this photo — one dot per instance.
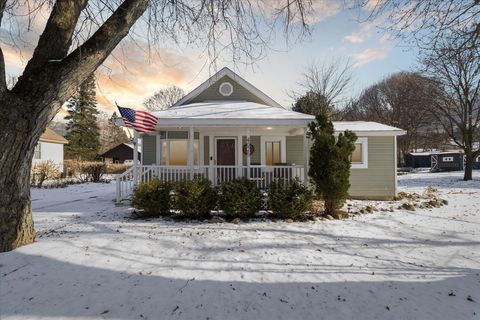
[51, 136]
[235, 77]
[121, 145]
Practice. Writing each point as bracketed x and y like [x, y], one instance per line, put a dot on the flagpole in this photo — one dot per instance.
[135, 157]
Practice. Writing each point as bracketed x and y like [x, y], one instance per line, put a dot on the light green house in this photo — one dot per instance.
[227, 128]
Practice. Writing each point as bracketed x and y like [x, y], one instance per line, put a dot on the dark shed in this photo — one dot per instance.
[120, 153]
[418, 160]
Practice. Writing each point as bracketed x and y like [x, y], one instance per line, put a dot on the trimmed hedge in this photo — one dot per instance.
[153, 198]
[289, 200]
[240, 198]
[195, 199]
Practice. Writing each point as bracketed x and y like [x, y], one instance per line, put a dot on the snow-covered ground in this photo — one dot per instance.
[90, 261]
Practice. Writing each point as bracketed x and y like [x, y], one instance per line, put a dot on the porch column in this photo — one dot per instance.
[306, 156]
[249, 159]
[239, 160]
[211, 150]
[158, 149]
[190, 151]
[135, 157]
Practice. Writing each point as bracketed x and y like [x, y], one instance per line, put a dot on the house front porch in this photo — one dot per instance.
[262, 154]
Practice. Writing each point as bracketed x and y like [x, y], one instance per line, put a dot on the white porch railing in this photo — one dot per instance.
[261, 175]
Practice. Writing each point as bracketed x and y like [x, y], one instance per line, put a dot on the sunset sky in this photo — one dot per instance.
[133, 73]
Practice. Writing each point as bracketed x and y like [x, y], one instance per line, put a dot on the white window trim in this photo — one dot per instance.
[364, 164]
[283, 147]
[39, 146]
[447, 158]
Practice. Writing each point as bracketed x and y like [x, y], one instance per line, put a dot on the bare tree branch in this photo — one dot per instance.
[3, 4]
[428, 21]
[3, 79]
[164, 98]
[330, 79]
[56, 38]
[456, 69]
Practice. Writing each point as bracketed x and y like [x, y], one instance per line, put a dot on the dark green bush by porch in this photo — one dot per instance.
[195, 199]
[240, 198]
[289, 199]
[153, 198]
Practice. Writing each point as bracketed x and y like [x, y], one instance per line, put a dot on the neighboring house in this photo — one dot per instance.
[120, 153]
[453, 160]
[448, 160]
[211, 130]
[50, 147]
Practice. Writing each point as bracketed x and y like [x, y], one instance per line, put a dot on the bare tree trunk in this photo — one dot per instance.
[470, 159]
[19, 136]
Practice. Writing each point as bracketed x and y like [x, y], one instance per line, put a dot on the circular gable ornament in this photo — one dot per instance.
[225, 89]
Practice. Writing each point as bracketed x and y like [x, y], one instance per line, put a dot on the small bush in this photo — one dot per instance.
[93, 171]
[289, 200]
[196, 198]
[153, 198]
[240, 198]
[116, 168]
[44, 170]
[71, 168]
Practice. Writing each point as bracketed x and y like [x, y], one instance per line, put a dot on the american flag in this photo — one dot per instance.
[140, 121]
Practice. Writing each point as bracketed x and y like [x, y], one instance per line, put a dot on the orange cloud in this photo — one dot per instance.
[131, 75]
[369, 55]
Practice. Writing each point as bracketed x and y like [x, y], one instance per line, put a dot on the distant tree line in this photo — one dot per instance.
[438, 105]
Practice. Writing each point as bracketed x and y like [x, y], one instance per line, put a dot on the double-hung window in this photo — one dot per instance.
[272, 153]
[176, 152]
[359, 157]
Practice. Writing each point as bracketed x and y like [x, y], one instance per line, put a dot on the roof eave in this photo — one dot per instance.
[231, 122]
[53, 141]
[375, 133]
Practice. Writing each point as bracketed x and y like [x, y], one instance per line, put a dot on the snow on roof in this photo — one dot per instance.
[366, 126]
[429, 153]
[243, 113]
[238, 113]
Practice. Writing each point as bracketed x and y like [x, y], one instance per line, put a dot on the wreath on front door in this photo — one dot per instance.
[245, 149]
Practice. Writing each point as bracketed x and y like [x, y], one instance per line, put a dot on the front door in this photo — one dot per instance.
[225, 151]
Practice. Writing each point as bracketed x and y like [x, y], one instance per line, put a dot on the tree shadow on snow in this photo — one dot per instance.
[40, 287]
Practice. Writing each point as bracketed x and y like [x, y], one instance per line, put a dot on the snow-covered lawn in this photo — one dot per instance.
[90, 261]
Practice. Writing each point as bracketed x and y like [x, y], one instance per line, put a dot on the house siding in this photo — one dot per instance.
[294, 149]
[149, 150]
[378, 181]
[255, 156]
[51, 152]
[239, 93]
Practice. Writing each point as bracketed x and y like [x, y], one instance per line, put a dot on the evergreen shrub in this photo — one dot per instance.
[196, 198]
[289, 199]
[330, 162]
[153, 198]
[240, 198]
